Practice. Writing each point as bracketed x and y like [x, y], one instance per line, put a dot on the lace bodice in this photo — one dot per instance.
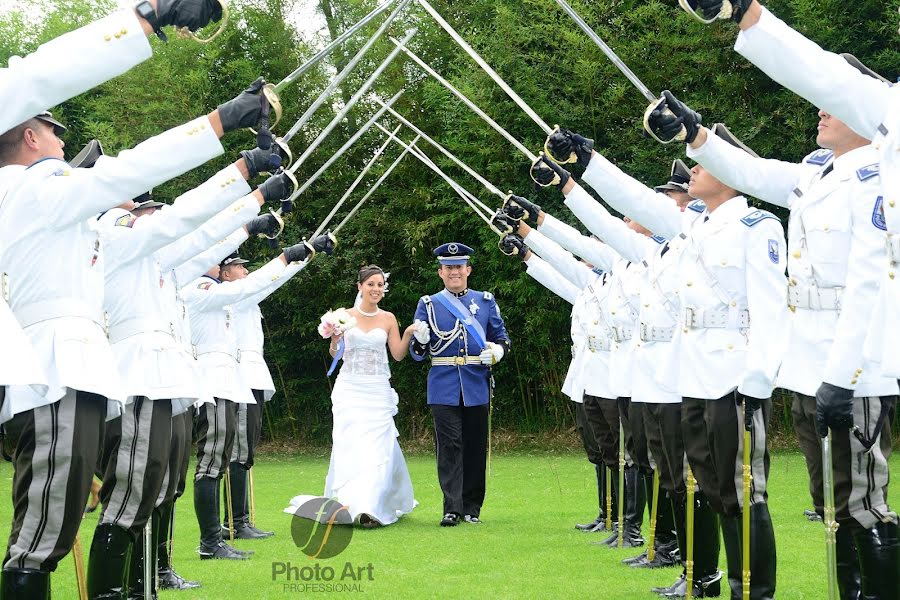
[365, 352]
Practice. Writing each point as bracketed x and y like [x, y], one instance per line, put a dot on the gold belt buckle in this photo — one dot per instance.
[460, 360]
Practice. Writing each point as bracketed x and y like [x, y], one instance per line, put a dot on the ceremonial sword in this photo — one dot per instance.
[655, 101]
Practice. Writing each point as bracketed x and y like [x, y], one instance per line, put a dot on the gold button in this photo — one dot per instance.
[107, 38]
[596, 322]
[612, 312]
[685, 330]
[730, 346]
[733, 303]
[891, 274]
[853, 381]
[796, 254]
[827, 228]
[689, 283]
[724, 262]
[117, 35]
[646, 306]
[124, 31]
[891, 203]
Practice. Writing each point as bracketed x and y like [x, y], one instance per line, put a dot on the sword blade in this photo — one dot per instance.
[643, 89]
[318, 56]
[496, 126]
[487, 68]
[339, 78]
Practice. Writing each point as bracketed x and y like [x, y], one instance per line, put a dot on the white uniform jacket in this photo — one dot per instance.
[143, 333]
[734, 324]
[871, 108]
[835, 256]
[250, 338]
[550, 278]
[53, 255]
[213, 331]
[69, 65]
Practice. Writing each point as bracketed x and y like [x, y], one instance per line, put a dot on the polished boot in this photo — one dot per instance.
[665, 543]
[731, 533]
[879, 560]
[647, 485]
[243, 530]
[166, 576]
[848, 576]
[206, 505]
[24, 583]
[635, 500]
[598, 524]
[136, 571]
[707, 577]
[762, 553]
[108, 566]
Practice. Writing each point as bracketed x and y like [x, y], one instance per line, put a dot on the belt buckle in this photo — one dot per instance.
[194, 351]
[689, 316]
[645, 335]
[238, 357]
[4, 286]
[892, 241]
[460, 360]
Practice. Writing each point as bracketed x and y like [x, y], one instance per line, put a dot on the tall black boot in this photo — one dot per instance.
[635, 500]
[879, 560]
[24, 583]
[706, 575]
[679, 508]
[240, 506]
[165, 573]
[598, 524]
[762, 553]
[645, 481]
[107, 576]
[136, 571]
[665, 543]
[731, 533]
[848, 576]
[206, 505]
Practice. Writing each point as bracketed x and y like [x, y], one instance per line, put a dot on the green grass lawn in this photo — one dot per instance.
[526, 548]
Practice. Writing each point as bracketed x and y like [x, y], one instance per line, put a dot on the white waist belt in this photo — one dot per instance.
[720, 318]
[893, 247]
[814, 298]
[132, 327]
[56, 309]
[650, 333]
[200, 349]
[621, 334]
[455, 361]
[598, 343]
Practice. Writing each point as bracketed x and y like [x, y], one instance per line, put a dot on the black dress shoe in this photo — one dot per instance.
[472, 519]
[633, 559]
[668, 589]
[168, 579]
[221, 551]
[243, 531]
[244, 552]
[705, 587]
[588, 527]
[450, 520]
[811, 515]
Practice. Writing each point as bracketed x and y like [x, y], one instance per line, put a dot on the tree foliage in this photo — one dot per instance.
[539, 51]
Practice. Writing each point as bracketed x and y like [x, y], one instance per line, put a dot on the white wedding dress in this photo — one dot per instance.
[367, 472]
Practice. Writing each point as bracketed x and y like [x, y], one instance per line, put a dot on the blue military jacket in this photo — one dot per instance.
[450, 340]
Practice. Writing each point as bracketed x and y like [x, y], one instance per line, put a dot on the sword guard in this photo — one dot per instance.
[186, 33]
[679, 137]
[691, 8]
[274, 100]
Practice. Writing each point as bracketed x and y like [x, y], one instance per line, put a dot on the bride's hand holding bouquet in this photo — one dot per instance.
[335, 323]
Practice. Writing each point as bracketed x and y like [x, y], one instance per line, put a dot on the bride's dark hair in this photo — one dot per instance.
[367, 271]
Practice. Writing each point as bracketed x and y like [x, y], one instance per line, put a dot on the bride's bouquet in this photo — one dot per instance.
[336, 322]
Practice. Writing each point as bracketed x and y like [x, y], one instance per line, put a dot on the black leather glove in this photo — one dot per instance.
[521, 209]
[513, 245]
[751, 405]
[667, 118]
[278, 187]
[192, 14]
[710, 10]
[246, 109]
[834, 408]
[504, 222]
[265, 160]
[298, 252]
[564, 146]
[324, 243]
[545, 173]
[265, 225]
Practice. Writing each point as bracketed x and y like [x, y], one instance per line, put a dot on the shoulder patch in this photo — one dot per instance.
[126, 220]
[205, 285]
[819, 157]
[867, 172]
[658, 239]
[773, 251]
[758, 216]
[878, 219]
[597, 270]
[488, 296]
[697, 206]
[426, 299]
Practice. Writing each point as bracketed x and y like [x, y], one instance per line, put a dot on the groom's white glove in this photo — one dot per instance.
[422, 332]
[492, 354]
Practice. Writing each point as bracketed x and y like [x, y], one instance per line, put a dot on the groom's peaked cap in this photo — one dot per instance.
[453, 253]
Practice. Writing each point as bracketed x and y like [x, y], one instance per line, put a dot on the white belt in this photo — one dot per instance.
[243, 351]
[56, 309]
[455, 361]
[719, 318]
[200, 349]
[598, 343]
[814, 298]
[656, 334]
[132, 327]
[893, 247]
[621, 334]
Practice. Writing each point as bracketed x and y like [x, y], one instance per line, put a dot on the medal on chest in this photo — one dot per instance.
[473, 308]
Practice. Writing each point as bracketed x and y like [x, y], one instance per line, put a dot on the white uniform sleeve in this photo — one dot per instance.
[631, 245]
[769, 180]
[550, 278]
[213, 255]
[592, 250]
[75, 195]
[567, 265]
[212, 232]
[766, 292]
[655, 211]
[231, 292]
[823, 78]
[865, 267]
[289, 271]
[150, 233]
[70, 65]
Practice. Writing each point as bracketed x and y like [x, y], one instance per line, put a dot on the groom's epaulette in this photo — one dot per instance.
[488, 296]
[426, 299]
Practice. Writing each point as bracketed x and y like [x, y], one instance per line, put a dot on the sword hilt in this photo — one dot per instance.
[186, 33]
[679, 137]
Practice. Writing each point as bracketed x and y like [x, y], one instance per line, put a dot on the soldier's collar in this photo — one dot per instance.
[459, 294]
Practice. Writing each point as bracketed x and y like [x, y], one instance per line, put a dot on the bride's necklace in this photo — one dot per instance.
[368, 314]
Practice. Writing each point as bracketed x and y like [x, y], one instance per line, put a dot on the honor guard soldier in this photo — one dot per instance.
[467, 336]
[77, 61]
[54, 263]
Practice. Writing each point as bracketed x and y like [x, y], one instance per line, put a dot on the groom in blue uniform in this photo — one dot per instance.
[466, 336]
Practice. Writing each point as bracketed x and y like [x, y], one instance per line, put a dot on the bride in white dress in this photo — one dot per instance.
[367, 472]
